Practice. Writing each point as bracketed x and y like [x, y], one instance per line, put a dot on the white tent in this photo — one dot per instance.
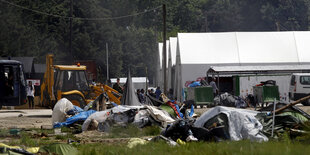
[160, 73]
[138, 82]
[198, 51]
[173, 48]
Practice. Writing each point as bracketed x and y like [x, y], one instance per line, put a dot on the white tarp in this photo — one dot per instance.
[59, 112]
[99, 116]
[242, 123]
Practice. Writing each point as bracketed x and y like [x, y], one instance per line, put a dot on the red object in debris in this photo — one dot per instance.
[172, 105]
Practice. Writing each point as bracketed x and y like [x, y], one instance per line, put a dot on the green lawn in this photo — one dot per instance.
[222, 148]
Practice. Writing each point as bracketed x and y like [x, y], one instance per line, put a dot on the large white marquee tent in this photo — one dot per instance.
[196, 52]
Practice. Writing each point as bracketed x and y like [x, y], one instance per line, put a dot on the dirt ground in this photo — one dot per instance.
[21, 120]
[24, 122]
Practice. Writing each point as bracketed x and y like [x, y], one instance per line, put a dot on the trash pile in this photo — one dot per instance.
[223, 122]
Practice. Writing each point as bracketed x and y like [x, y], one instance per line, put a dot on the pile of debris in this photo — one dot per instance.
[223, 122]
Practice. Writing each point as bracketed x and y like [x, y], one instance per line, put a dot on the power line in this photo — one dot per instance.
[78, 18]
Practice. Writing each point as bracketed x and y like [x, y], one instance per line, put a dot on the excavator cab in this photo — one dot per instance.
[71, 83]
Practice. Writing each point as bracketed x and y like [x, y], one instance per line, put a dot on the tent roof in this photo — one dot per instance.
[244, 47]
[173, 48]
[268, 69]
[160, 50]
[26, 61]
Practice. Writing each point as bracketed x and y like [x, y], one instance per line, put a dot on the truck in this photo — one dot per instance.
[70, 81]
[300, 87]
[12, 83]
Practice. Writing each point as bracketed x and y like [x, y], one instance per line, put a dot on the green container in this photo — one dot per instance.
[203, 95]
[265, 94]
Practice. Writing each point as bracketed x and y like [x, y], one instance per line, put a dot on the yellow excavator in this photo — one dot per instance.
[70, 81]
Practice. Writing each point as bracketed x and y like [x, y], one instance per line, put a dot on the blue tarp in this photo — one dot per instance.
[75, 110]
[194, 84]
[82, 116]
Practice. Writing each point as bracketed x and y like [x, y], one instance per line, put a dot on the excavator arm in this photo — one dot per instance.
[113, 94]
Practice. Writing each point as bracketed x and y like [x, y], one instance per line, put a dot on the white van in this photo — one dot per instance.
[300, 87]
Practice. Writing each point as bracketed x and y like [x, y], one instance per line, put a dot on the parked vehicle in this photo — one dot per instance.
[12, 83]
[300, 87]
[70, 81]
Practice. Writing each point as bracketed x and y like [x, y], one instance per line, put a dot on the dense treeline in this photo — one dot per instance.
[133, 40]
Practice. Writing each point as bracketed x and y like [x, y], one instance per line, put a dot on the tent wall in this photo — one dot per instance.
[197, 51]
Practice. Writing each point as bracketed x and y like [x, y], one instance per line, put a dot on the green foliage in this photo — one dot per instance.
[133, 40]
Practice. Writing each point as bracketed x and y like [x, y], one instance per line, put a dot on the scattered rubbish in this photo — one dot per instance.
[167, 140]
[47, 127]
[229, 100]
[181, 142]
[136, 141]
[15, 131]
[20, 115]
[6, 149]
[238, 123]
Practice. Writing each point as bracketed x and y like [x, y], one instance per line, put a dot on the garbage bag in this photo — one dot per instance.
[229, 100]
[59, 112]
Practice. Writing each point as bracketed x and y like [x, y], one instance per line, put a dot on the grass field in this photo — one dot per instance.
[282, 146]
[222, 148]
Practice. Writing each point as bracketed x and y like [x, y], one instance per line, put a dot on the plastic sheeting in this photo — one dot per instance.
[143, 115]
[60, 109]
[100, 116]
[242, 123]
[160, 115]
[129, 95]
[82, 116]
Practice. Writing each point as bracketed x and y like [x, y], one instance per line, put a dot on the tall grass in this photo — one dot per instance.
[222, 148]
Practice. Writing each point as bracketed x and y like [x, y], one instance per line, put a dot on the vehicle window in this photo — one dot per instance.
[82, 80]
[11, 81]
[293, 80]
[59, 80]
[305, 80]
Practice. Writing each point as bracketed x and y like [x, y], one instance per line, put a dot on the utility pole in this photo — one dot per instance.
[107, 47]
[70, 21]
[278, 25]
[164, 49]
